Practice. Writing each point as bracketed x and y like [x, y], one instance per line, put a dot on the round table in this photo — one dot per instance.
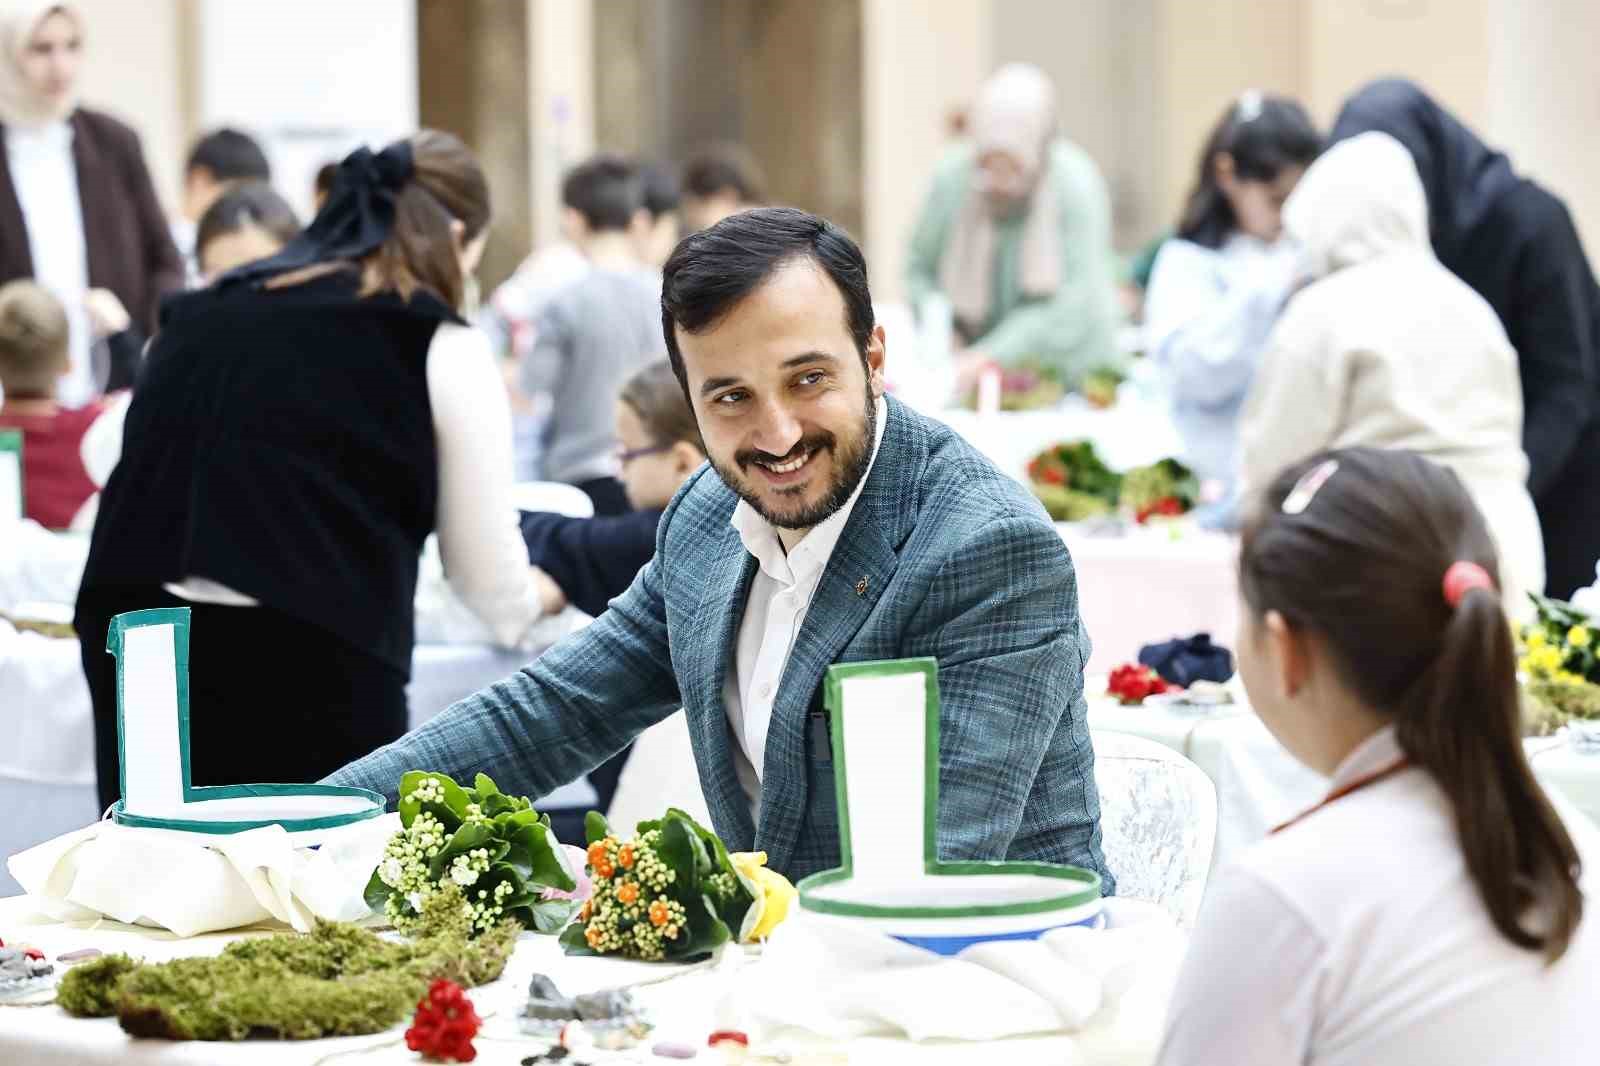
[685, 1008]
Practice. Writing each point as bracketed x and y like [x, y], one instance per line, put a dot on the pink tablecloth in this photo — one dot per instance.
[1152, 585]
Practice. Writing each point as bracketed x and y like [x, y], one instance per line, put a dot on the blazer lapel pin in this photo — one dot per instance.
[861, 587]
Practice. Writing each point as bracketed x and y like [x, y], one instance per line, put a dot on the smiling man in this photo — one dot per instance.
[833, 525]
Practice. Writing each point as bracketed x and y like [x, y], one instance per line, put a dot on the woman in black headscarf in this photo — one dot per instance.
[301, 426]
[1514, 242]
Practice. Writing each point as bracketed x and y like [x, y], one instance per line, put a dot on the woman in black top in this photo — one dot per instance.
[1514, 242]
[300, 428]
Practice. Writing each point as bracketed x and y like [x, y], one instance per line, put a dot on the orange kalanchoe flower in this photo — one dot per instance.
[627, 892]
[592, 935]
[658, 913]
[588, 909]
[603, 869]
[597, 853]
[625, 857]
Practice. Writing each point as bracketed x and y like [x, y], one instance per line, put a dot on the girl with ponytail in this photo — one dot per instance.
[1431, 908]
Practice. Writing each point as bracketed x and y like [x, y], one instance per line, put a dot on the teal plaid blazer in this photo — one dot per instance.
[959, 562]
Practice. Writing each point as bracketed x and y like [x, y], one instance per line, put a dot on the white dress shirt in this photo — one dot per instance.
[1356, 937]
[46, 181]
[780, 596]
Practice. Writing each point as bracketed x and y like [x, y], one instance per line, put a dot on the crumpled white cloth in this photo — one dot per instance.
[442, 618]
[842, 980]
[153, 877]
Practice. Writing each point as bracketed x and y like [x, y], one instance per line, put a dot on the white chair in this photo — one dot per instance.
[552, 496]
[1158, 822]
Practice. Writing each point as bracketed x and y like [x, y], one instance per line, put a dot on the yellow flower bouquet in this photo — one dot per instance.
[1560, 668]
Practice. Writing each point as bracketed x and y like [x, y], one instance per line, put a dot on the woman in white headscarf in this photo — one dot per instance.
[1016, 235]
[1386, 348]
[78, 212]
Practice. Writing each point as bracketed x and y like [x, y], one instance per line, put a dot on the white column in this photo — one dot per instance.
[561, 81]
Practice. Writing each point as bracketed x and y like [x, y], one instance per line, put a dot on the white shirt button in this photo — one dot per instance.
[765, 691]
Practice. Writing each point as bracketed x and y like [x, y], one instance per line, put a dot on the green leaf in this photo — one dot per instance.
[718, 849]
[595, 827]
[677, 849]
[485, 786]
[469, 836]
[452, 812]
[552, 915]
[532, 852]
[573, 941]
[707, 932]
[377, 893]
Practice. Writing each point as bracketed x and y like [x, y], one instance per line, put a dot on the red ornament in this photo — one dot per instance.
[444, 1024]
[1131, 683]
[1166, 507]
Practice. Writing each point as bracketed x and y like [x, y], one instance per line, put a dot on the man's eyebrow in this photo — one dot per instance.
[713, 384]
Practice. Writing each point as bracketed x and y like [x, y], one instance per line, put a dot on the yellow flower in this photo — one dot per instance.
[1546, 660]
[1567, 677]
[774, 895]
[1578, 636]
[1536, 640]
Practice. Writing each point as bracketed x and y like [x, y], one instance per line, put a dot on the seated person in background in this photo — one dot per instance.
[1387, 348]
[1016, 236]
[588, 562]
[596, 331]
[1217, 287]
[219, 160]
[33, 357]
[719, 180]
[1430, 911]
[248, 222]
[832, 525]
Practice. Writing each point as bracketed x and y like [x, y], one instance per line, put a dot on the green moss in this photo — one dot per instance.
[90, 990]
[338, 980]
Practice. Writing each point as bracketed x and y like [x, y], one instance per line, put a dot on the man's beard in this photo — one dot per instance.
[850, 467]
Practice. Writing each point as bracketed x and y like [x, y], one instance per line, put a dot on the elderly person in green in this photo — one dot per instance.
[1016, 235]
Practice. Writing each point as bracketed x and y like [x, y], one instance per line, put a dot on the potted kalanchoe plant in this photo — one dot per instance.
[672, 892]
[496, 849]
[1164, 489]
[1073, 482]
[1560, 667]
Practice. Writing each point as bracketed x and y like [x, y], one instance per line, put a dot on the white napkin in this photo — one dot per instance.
[179, 882]
[842, 981]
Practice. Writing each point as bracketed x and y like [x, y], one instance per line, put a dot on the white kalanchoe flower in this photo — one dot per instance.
[391, 872]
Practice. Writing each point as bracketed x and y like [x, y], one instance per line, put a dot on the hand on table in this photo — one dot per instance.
[106, 313]
[550, 594]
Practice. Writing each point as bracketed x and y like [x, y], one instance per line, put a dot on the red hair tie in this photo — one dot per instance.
[1462, 578]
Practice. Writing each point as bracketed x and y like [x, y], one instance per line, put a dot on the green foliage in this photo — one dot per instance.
[496, 848]
[337, 980]
[675, 864]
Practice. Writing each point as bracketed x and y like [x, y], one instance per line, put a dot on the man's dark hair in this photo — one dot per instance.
[229, 155]
[722, 168]
[660, 189]
[605, 190]
[326, 174]
[712, 271]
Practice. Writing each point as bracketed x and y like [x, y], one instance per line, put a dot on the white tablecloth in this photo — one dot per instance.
[47, 784]
[685, 1010]
[1259, 785]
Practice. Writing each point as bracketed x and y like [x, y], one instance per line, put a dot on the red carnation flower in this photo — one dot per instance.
[444, 1024]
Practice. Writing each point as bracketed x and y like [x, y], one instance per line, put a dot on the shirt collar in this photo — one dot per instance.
[811, 555]
[51, 135]
[1378, 752]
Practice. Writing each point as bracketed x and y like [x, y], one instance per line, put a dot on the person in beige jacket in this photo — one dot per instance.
[1385, 347]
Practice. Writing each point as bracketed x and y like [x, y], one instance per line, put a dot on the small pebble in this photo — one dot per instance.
[674, 1051]
[81, 955]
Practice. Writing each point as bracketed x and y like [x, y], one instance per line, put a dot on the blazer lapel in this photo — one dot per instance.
[862, 563]
[94, 185]
[729, 571]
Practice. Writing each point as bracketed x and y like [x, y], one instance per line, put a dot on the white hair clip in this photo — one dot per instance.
[1305, 489]
[1250, 105]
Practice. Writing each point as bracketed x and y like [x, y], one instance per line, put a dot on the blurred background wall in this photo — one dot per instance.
[846, 103]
